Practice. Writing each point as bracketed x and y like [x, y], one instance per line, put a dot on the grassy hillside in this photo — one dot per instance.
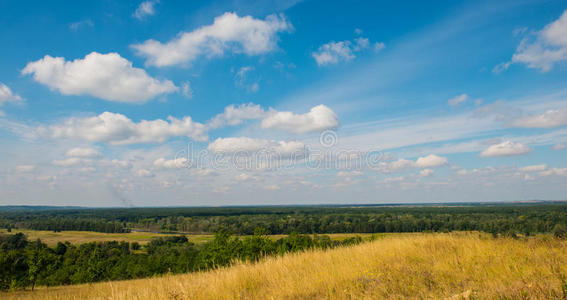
[456, 265]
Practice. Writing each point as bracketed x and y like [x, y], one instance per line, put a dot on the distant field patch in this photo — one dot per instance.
[80, 237]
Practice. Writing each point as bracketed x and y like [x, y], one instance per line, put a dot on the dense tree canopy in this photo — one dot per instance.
[526, 218]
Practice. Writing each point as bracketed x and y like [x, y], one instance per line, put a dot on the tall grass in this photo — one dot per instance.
[463, 265]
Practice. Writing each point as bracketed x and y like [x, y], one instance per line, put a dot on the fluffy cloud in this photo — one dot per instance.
[83, 152]
[548, 119]
[554, 171]
[177, 163]
[242, 79]
[534, 168]
[458, 100]
[251, 146]
[431, 161]
[426, 172]
[144, 173]
[335, 52]
[396, 165]
[119, 163]
[117, 129]
[105, 76]
[6, 95]
[272, 187]
[507, 148]
[84, 23]
[243, 177]
[67, 162]
[349, 173]
[318, 118]
[186, 90]
[145, 9]
[542, 49]
[25, 168]
[229, 32]
[235, 115]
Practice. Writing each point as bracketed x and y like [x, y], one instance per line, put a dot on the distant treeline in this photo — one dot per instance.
[524, 218]
[26, 263]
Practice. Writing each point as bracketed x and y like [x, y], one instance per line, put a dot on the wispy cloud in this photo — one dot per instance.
[145, 9]
[84, 23]
[229, 32]
[342, 51]
[541, 49]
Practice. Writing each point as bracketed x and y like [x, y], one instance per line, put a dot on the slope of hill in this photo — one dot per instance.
[457, 265]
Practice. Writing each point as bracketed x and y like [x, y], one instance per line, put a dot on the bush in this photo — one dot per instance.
[560, 231]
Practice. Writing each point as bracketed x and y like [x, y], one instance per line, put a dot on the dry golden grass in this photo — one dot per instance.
[80, 237]
[427, 266]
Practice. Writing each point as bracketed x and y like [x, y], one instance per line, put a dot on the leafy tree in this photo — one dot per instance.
[560, 231]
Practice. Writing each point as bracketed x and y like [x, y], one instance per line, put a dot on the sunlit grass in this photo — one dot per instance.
[421, 266]
[80, 237]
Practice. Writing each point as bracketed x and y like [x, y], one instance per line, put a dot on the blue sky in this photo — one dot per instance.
[149, 103]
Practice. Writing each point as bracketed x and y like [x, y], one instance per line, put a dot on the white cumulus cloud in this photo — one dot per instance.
[458, 100]
[6, 95]
[548, 119]
[534, 168]
[83, 152]
[235, 115]
[105, 76]
[342, 51]
[318, 118]
[431, 161]
[554, 171]
[144, 173]
[507, 148]
[252, 146]
[68, 162]
[186, 90]
[176, 163]
[145, 9]
[118, 129]
[272, 187]
[25, 168]
[229, 32]
[542, 49]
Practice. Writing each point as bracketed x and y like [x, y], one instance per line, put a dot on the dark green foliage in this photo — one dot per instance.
[492, 218]
[560, 231]
[135, 246]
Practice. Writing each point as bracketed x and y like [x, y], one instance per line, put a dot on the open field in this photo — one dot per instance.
[80, 237]
[455, 265]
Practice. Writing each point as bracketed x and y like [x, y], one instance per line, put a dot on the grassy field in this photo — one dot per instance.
[418, 266]
[79, 237]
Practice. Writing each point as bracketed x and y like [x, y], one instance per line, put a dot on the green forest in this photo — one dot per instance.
[527, 218]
